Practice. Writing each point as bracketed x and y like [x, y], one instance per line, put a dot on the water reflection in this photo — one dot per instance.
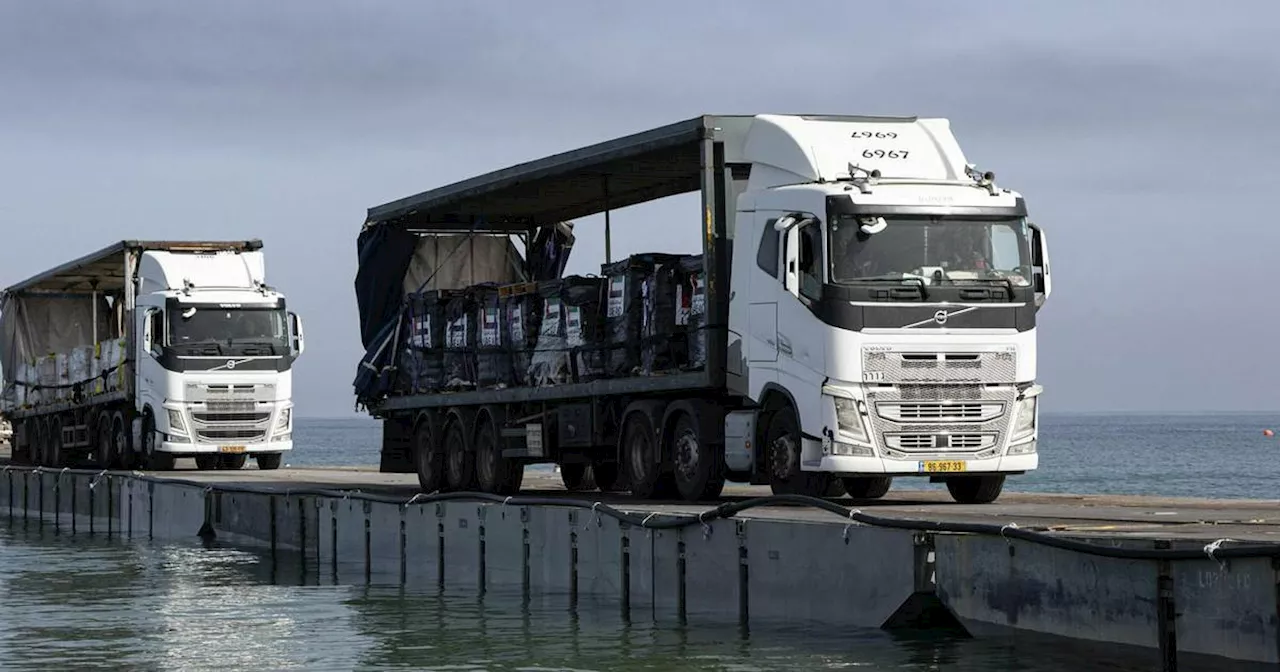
[79, 601]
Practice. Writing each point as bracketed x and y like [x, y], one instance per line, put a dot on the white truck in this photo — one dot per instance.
[147, 351]
[869, 305]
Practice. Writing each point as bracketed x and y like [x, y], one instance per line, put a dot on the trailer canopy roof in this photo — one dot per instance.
[104, 270]
[645, 166]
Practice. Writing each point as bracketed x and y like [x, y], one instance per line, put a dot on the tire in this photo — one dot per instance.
[782, 457]
[975, 489]
[40, 444]
[268, 461]
[867, 487]
[638, 448]
[54, 455]
[578, 476]
[460, 463]
[208, 461]
[155, 461]
[495, 474]
[126, 457]
[104, 453]
[609, 477]
[428, 459]
[233, 462]
[698, 467]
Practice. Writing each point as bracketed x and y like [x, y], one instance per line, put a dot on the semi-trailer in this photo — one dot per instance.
[863, 308]
[147, 351]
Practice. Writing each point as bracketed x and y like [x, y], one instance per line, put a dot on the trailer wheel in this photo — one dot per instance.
[699, 466]
[577, 476]
[428, 459]
[975, 489]
[232, 462]
[40, 439]
[782, 446]
[496, 474]
[54, 455]
[460, 463]
[609, 476]
[104, 454]
[867, 487]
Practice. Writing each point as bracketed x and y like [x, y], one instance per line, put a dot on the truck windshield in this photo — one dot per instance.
[953, 248]
[189, 325]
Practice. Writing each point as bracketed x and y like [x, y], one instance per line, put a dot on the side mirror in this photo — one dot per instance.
[1040, 276]
[295, 334]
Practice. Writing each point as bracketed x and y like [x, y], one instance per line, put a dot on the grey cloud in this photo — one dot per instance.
[1140, 133]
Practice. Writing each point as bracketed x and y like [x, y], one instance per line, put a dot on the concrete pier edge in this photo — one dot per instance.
[1178, 603]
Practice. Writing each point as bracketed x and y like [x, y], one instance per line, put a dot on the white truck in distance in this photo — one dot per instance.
[145, 352]
[870, 313]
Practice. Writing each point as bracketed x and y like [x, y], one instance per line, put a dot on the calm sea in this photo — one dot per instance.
[78, 602]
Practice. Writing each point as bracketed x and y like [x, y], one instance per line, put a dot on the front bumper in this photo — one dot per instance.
[844, 464]
[187, 448]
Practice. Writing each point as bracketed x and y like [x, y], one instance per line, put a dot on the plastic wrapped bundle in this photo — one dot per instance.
[624, 310]
[658, 323]
[421, 359]
[521, 319]
[460, 342]
[691, 312]
[569, 339]
[493, 353]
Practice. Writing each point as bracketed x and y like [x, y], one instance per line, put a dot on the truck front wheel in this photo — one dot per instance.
[782, 446]
[975, 489]
[156, 461]
[867, 487]
[268, 461]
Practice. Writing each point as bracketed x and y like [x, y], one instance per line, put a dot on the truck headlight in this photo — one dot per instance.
[1025, 421]
[176, 424]
[282, 423]
[849, 419]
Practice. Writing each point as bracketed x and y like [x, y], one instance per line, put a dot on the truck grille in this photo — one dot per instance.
[229, 424]
[913, 421]
[939, 411]
[913, 368]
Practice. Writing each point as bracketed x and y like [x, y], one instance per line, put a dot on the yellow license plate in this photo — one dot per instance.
[943, 466]
[230, 449]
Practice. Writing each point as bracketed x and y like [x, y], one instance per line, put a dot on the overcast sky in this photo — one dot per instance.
[1142, 134]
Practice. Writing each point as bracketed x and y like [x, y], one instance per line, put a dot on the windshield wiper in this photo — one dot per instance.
[898, 278]
[1008, 283]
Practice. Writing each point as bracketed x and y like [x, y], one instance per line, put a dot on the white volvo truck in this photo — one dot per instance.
[870, 313]
[148, 351]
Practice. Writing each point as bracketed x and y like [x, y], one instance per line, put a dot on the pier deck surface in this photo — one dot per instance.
[1109, 516]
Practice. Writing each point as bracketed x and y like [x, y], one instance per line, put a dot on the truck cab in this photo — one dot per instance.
[214, 357]
[882, 311]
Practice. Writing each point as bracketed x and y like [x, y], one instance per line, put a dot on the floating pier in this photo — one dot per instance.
[1180, 584]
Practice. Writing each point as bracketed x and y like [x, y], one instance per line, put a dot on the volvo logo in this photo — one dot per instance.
[940, 317]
